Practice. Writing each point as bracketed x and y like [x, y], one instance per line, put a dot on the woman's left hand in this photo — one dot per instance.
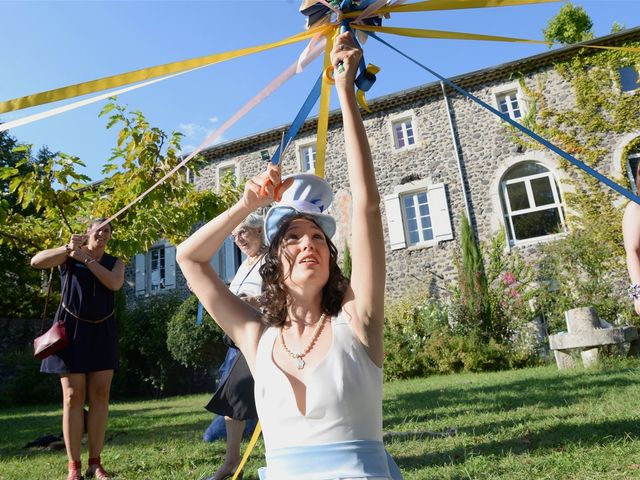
[345, 58]
[80, 255]
[261, 190]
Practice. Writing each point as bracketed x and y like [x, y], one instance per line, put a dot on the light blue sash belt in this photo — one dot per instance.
[352, 459]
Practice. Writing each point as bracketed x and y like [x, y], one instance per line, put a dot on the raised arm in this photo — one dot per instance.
[54, 257]
[238, 319]
[368, 257]
[631, 234]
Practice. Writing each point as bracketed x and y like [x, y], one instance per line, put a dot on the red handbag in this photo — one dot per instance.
[51, 341]
[55, 338]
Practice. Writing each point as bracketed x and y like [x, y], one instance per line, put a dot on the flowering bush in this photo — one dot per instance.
[513, 292]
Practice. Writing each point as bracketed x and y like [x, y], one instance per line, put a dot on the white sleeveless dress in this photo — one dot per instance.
[340, 436]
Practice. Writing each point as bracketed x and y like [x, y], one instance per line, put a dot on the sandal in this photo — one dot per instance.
[96, 470]
[74, 471]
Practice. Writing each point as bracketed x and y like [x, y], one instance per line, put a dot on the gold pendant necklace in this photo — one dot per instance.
[300, 363]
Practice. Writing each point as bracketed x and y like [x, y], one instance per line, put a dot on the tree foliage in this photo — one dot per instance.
[471, 310]
[46, 198]
[196, 346]
[571, 25]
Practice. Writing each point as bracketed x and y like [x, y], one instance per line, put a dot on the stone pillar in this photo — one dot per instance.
[563, 360]
[589, 357]
[581, 320]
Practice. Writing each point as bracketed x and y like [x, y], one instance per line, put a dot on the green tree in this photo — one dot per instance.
[46, 198]
[571, 25]
[27, 297]
[474, 312]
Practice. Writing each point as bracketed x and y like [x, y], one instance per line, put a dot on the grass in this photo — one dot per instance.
[535, 423]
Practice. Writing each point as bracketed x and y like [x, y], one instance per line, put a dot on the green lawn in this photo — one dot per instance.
[523, 424]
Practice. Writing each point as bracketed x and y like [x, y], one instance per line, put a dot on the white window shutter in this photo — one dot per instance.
[140, 262]
[170, 267]
[394, 221]
[216, 261]
[229, 260]
[439, 209]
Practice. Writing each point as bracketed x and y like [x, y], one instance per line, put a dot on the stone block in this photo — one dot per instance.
[589, 357]
[582, 319]
[563, 360]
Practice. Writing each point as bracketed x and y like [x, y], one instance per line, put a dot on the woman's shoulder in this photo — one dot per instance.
[109, 259]
[631, 217]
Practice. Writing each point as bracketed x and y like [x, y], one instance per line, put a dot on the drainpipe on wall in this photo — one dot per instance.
[457, 153]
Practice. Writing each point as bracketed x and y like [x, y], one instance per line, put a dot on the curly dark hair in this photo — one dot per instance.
[274, 298]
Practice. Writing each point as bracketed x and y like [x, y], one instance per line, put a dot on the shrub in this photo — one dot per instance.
[514, 290]
[408, 325]
[420, 341]
[146, 366]
[585, 272]
[26, 385]
[194, 345]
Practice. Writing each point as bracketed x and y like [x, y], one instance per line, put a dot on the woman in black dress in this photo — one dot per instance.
[234, 397]
[89, 278]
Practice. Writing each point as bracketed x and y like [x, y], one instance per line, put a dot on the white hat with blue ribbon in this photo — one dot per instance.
[309, 195]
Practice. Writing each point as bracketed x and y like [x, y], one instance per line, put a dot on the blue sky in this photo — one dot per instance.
[49, 44]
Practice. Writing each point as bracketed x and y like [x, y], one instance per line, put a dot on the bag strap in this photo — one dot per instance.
[46, 301]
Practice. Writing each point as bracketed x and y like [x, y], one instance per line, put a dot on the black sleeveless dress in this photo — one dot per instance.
[87, 308]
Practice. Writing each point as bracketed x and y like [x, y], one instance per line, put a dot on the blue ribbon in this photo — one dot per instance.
[598, 176]
[302, 115]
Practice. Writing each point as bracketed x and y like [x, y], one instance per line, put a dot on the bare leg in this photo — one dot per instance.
[73, 395]
[99, 384]
[232, 454]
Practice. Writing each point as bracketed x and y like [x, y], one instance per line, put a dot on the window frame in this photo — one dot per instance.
[224, 166]
[301, 148]
[403, 118]
[637, 70]
[508, 89]
[632, 156]
[143, 263]
[162, 269]
[509, 214]
[439, 212]
[405, 221]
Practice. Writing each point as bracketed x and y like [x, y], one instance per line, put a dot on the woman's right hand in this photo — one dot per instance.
[77, 240]
[636, 304]
[260, 191]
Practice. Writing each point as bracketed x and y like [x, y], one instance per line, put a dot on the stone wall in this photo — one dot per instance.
[486, 152]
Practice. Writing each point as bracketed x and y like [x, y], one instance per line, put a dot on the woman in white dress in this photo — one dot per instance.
[315, 347]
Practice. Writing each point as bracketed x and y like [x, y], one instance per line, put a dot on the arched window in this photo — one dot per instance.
[633, 159]
[531, 202]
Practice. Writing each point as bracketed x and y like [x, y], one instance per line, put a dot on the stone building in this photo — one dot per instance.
[438, 156]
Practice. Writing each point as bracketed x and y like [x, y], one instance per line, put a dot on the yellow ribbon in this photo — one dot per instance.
[144, 74]
[247, 452]
[424, 33]
[432, 5]
[360, 95]
[323, 114]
